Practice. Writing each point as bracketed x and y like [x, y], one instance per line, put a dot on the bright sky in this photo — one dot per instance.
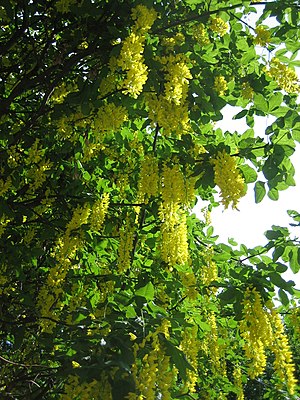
[248, 225]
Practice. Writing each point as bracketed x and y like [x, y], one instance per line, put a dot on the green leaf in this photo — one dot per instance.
[277, 280]
[273, 194]
[275, 101]
[86, 176]
[228, 295]
[249, 173]
[178, 359]
[240, 115]
[277, 253]
[146, 291]
[294, 259]
[261, 103]
[259, 191]
[283, 297]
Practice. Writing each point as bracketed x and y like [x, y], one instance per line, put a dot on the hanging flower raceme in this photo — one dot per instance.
[131, 59]
[220, 85]
[109, 118]
[149, 178]
[177, 77]
[98, 212]
[125, 246]
[286, 77]
[237, 377]
[152, 373]
[200, 34]
[247, 91]
[174, 244]
[262, 329]
[228, 178]
[256, 331]
[263, 36]
[190, 345]
[283, 363]
[219, 26]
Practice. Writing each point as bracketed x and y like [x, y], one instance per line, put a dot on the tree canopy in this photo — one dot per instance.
[111, 288]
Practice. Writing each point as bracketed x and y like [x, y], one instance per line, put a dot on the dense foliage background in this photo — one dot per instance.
[110, 286]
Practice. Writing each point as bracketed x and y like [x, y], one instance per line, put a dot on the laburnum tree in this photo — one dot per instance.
[111, 288]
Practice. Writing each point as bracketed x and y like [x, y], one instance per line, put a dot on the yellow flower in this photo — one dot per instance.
[148, 179]
[109, 118]
[219, 26]
[75, 364]
[132, 336]
[200, 34]
[286, 78]
[228, 178]
[256, 331]
[247, 91]
[177, 77]
[144, 17]
[98, 212]
[125, 246]
[263, 36]
[237, 376]
[220, 85]
[283, 364]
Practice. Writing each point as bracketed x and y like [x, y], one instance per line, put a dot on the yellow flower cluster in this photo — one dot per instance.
[109, 118]
[247, 91]
[125, 246]
[174, 244]
[260, 330]
[37, 174]
[4, 221]
[80, 216]
[173, 186]
[5, 186]
[189, 283]
[220, 85]
[171, 42]
[213, 347]
[170, 109]
[256, 331]
[60, 92]
[144, 18]
[63, 6]
[98, 212]
[91, 150]
[219, 26]
[209, 270]
[153, 374]
[283, 363]
[190, 346]
[172, 118]
[131, 59]
[200, 34]
[149, 178]
[237, 377]
[35, 153]
[286, 78]
[75, 390]
[177, 75]
[228, 178]
[49, 296]
[263, 36]
[14, 156]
